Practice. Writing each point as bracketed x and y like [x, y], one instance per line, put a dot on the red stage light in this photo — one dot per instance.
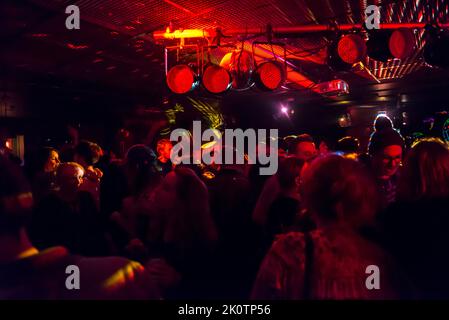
[352, 48]
[181, 79]
[216, 79]
[402, 43]
[270, 75]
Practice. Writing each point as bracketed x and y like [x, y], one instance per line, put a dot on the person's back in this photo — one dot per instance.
[113, 189]
[136, 212]
[229, 201]
[282, 215]
[284, 212]
[75, 224]
[330, 262]
[230, 205]
[336, 261]
[138, 216]
[188, 233]
[416, 228]
[417, 234]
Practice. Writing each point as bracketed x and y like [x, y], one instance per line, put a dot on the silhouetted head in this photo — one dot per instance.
[141, 168]
[348, 144]
[426, 171]
[338, 191]
[382, 122]
[87, 153]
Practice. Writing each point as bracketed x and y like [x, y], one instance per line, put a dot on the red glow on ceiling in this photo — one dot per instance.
[39, 35]
[178, 6]
[77, 47]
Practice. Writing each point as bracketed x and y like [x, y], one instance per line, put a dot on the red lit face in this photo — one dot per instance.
[306, 150]
[388, 161]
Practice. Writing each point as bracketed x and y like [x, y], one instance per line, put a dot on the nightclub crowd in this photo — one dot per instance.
[143, 228]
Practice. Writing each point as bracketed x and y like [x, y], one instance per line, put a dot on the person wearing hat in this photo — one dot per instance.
[385, 149]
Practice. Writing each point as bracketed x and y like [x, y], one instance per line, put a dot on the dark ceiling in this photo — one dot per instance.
[114, 53]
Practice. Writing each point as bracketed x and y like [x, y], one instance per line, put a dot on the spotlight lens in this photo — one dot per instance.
[351, 48]
[181, 79]
[284, 109]
[216, 79]
[402, 43]
[271, 75]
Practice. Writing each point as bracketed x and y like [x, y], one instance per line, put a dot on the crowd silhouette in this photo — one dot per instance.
[143, 228]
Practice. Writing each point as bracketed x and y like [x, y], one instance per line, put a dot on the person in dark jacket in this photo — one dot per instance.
[416, 228]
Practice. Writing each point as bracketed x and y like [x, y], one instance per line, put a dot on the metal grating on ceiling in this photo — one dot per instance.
[131, 15]
[134, 17]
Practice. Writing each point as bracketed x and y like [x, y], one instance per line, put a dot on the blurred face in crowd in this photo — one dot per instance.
[52, 162]
[165, 193]
[324, 148]
[70, 177]
[388, 161]
[306, 150]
